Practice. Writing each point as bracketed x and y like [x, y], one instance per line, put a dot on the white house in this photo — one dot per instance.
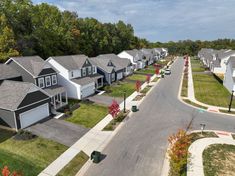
[135, 56]
[77, 75]
[229, 76]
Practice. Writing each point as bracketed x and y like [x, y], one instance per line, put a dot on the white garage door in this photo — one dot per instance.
[87, 91]
[119, 76]
[34, 115]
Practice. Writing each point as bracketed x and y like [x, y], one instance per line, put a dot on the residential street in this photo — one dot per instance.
[139, 147]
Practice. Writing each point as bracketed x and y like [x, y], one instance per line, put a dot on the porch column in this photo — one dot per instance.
[54, 102]
[66, 97]
[60, 99]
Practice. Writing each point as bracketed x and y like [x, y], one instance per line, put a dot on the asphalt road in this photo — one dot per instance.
[139, 147]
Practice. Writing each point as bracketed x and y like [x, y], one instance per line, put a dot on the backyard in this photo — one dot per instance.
[88, 114]
[28, 157]
[219, 159]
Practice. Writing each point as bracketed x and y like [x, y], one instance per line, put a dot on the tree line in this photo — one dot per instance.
[44, 30]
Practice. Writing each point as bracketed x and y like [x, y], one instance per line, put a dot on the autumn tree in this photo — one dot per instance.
[114, 109]
[6, 172]
[157, 71]
[137, 86]
[7, 41]
[148, 77]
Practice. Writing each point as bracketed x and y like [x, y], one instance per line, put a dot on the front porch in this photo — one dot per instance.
[59, 97]
[99, 80]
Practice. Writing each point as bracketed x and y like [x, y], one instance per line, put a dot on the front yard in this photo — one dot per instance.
[208, 90]
[88, 114]
[28, 157]
[197, 65]
[137, 77]
[219, 159]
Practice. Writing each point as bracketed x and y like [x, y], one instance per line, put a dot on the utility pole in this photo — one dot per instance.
[231, 101]
[124, 101]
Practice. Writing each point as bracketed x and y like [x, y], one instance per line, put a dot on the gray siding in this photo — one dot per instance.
[7, 117]
[107, 76]
[18, 112]
[25, 75]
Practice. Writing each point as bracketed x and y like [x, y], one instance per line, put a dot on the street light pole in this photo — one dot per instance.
[231, 101]
[124, 101]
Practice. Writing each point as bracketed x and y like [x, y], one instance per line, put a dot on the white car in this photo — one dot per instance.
[167, 71]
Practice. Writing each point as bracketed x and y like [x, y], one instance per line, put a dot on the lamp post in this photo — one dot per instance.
[202, 127]
[231, 101]
[124, 101]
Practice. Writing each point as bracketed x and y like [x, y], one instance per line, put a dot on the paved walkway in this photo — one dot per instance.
[195, 167]
[191, 93]
[94, 139]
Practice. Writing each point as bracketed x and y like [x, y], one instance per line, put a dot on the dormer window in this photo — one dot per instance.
[48, 81]
[41, 83]
[89, 70]
[84, 71]
[54, 79]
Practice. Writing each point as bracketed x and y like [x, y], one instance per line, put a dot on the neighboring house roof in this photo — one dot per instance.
[71, 62]
[54, 90]
[33, 64]
[120, 63]
[6, 72]
[83, 81]
[226, 54]
[231, 62]
[13, 93]
[102, 63]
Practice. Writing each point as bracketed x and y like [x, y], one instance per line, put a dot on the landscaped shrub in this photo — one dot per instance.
[178, 152]
[24, 135]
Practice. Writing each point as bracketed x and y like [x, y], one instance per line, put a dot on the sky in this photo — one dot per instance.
[161, 20]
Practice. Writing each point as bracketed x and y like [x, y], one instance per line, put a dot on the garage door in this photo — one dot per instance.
[119, 76]
[34, 115]
[87, 91]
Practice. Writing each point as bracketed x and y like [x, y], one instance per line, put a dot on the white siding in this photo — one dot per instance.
[62, 71]
[76, 74]
[228, 80]
[127, 56]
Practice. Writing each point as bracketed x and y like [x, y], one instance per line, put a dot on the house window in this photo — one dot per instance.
[89, 70]
[94, 70]
[113, 76]
[72, 74]
[48, 81]
[54, 79]
[84, 71]
[41, 82]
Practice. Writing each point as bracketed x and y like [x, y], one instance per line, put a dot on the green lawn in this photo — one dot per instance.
[184, 90]
[219, 159]
[74, 165]
[208, 90]
[28, 157]
[117, 90]
[146, 71]
[146, 89]
[137, 77]
[88, 114]
[197, 65]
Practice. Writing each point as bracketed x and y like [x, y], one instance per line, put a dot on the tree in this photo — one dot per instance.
[137, 86]
[114, 109]
[6, 172]
[157, 71]
[148, 78]
[7, 41]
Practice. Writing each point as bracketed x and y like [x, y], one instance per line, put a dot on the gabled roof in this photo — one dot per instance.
[120, 63]
[231, 62]
[226, 54]
[71, 62]
[6, 72]
[32, 64]
[102, 63]
[14, 92]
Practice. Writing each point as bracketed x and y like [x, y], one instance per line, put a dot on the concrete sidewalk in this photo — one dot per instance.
[191, 93]
[94, 139]
[195, 161]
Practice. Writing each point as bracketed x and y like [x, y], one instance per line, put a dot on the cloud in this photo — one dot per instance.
[161, 20]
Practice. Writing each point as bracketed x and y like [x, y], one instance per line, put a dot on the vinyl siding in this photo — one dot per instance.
[8, 118]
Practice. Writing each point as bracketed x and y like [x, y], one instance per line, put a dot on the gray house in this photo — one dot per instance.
[35, 70]
[22, 104]
[112, 67]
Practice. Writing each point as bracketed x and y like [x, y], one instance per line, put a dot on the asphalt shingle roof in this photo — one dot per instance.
[102, 63]
[54, 90]
[6, 72]
[33, 64]
[12, 93]
[71, 62]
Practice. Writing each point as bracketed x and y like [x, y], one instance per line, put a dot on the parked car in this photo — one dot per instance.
[167, 71]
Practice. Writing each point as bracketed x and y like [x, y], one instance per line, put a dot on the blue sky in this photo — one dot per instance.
[161, 20]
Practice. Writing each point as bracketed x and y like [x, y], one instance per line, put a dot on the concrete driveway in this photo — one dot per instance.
[58, 130]
[105, 100]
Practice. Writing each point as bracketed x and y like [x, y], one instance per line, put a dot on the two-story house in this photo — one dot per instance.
[148, 56]
[112, 67]
[135, 56]
[77, 74]
[35, 70]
